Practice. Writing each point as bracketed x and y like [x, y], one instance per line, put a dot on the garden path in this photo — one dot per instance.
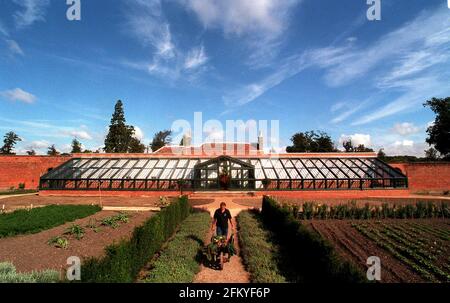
[234, 271]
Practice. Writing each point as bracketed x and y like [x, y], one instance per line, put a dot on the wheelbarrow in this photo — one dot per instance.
[215, 251]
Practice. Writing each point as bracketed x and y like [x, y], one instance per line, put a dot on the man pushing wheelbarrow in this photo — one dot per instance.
[220, 244]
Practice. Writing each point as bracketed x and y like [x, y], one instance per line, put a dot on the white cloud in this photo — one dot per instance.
[406, 147]
[243, 16]
[357, 139]
[79, 134]
[18, 94]
[261, 23]
[405, 129]
[38, 145]
[138, 133]
[195, 58]
[32, 11]
[146, 22]
[405, 143]
[14, 47]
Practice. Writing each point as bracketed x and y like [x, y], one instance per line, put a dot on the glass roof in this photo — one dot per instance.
[265, 168]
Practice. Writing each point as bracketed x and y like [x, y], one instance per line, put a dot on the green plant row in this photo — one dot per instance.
[124, 260]
[312, 258]
[428, 230]
[38, 219]
[425, 274]
[416, 256]
[8, 274]
[259, 253]
[410, 253]
[311, 210]
[179, 262]
[400, 238]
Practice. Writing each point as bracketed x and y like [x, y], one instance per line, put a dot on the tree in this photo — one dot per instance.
[10, 140]
[381, 154]
[76, 146]
[161, 139]
[52, 151]
[363, 149]
[311, 142]
[136, 146]
[431, 154]
[439, 132]
[31, 152]
[348, 146]
[120, 135]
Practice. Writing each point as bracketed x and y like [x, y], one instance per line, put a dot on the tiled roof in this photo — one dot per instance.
[211, 149]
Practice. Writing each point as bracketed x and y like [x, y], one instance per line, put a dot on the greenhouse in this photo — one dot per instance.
[258, 173]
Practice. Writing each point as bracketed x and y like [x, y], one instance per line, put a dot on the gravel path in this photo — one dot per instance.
[234, 271]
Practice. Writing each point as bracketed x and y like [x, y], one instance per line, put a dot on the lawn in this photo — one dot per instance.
[33, 221]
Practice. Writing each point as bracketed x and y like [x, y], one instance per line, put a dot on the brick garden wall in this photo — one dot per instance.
[426, 176]
[26, 169]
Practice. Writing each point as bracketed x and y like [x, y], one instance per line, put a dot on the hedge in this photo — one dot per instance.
[259, 253]
[311, 258]
[38, 219]
[124, 260]
[179, 262]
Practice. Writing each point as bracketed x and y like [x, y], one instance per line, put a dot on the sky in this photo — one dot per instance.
[309, 64]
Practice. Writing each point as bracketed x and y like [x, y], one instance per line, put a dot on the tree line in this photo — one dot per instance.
[121, 138]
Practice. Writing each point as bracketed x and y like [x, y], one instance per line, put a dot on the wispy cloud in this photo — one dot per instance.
[3, 30]
[31, 12]
[406, 55]
[347, 109]
[195, 58]
[14, 47]
[249, 93]
[145, 21]
[18, 94]
[414, 92]
[260, 23]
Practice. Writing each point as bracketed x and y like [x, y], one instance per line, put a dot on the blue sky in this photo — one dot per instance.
[309, 64]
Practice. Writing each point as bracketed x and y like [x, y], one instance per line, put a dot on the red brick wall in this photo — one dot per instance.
[426, 176]
[105, 193]
[25, 169]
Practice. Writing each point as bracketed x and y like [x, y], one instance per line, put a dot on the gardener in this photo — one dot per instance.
[221, 218]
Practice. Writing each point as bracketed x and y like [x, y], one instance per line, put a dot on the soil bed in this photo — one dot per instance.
[355, 247]
[31, 252]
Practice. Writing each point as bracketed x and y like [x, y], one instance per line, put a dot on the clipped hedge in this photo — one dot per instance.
[36, 220]
[124, 260]
[311, 257]
[260, 255]
[179, 261]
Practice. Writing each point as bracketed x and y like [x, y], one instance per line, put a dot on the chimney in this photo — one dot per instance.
[187, 139]
[260, 142]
